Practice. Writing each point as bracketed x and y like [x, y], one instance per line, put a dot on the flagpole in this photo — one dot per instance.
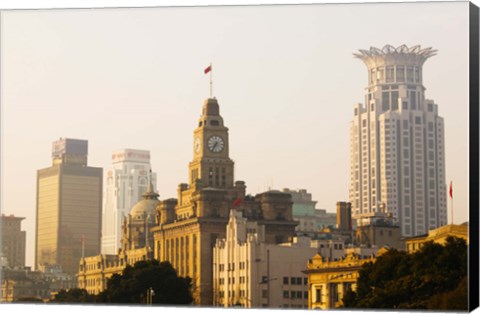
[452, 208]
[211, 80]
[451, 197]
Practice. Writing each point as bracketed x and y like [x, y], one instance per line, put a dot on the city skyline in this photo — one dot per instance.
[80, 76]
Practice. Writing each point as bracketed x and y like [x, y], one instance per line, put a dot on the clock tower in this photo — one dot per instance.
[211, 162]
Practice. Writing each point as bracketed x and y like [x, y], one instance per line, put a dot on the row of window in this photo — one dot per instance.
[295, 280]
[295, 294]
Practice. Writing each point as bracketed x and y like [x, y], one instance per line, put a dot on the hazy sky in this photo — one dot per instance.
[284, 76]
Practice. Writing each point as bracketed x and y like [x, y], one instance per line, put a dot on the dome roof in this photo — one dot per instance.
[147, 205]
[144, 207]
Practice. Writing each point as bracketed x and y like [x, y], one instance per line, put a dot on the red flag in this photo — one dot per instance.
[451, 190]
[208, 69]
[238, 201]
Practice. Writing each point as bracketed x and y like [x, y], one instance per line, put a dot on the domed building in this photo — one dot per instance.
[136, 227]
[136, 245]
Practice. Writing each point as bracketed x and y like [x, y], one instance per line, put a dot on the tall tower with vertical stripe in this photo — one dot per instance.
[397, 147]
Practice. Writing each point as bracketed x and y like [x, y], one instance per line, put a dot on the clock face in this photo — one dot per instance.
[197, 144]
[215, 144]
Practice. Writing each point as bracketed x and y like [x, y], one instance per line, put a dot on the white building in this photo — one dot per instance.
[248, 272]
[397, 149]
[126, 181]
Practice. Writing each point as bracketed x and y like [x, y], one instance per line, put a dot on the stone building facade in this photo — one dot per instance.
[189, 226]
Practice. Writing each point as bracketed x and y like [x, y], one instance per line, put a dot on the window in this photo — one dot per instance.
[285, 280]
[214, 122]
[318, 295]
[286, 294]
[390, 74]
[409, 74]
[305, 281]
[418, 120]
[305, 295]
[400, 73]
[430, 107]
[394, 100]
[264, 293]
[413, 99]
[385, 101]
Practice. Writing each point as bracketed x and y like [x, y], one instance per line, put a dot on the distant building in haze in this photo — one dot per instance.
[125, 183]
[69, 207]
[13, 244]
[310, 220]
[397, 147]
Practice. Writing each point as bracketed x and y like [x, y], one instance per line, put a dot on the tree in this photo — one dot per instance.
[133, 284]
[430, 278]
[73, 296]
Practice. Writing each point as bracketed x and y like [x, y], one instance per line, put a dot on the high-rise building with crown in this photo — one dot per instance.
[397, 147]
[69, 207]
[187, 227]
[125, 183]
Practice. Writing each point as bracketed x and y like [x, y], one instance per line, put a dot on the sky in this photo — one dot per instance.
[285, 78]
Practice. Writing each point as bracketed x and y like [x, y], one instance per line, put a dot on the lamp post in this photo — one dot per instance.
[268, 279]
[150, 294]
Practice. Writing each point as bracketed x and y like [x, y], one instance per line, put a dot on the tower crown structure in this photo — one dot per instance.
[395, 65]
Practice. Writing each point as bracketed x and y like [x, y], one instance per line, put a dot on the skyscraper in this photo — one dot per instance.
[397, 149]
[69, 207]
[125, 183]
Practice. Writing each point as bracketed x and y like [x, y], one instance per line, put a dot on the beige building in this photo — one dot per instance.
[438, 235]
[136, 245]
[249, 272]
[189, 226]
[379, 233]
[328, 281]
[69, 207]
[13, 241]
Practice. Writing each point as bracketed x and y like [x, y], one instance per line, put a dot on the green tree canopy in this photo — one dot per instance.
[134, 282]
[432, 278]
[73, 296]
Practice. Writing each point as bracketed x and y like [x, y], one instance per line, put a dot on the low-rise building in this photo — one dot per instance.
[379, 233]
[22, 283]
[438, 235]
[328, 280]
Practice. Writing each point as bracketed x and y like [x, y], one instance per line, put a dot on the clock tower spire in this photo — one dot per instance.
[211, 162]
